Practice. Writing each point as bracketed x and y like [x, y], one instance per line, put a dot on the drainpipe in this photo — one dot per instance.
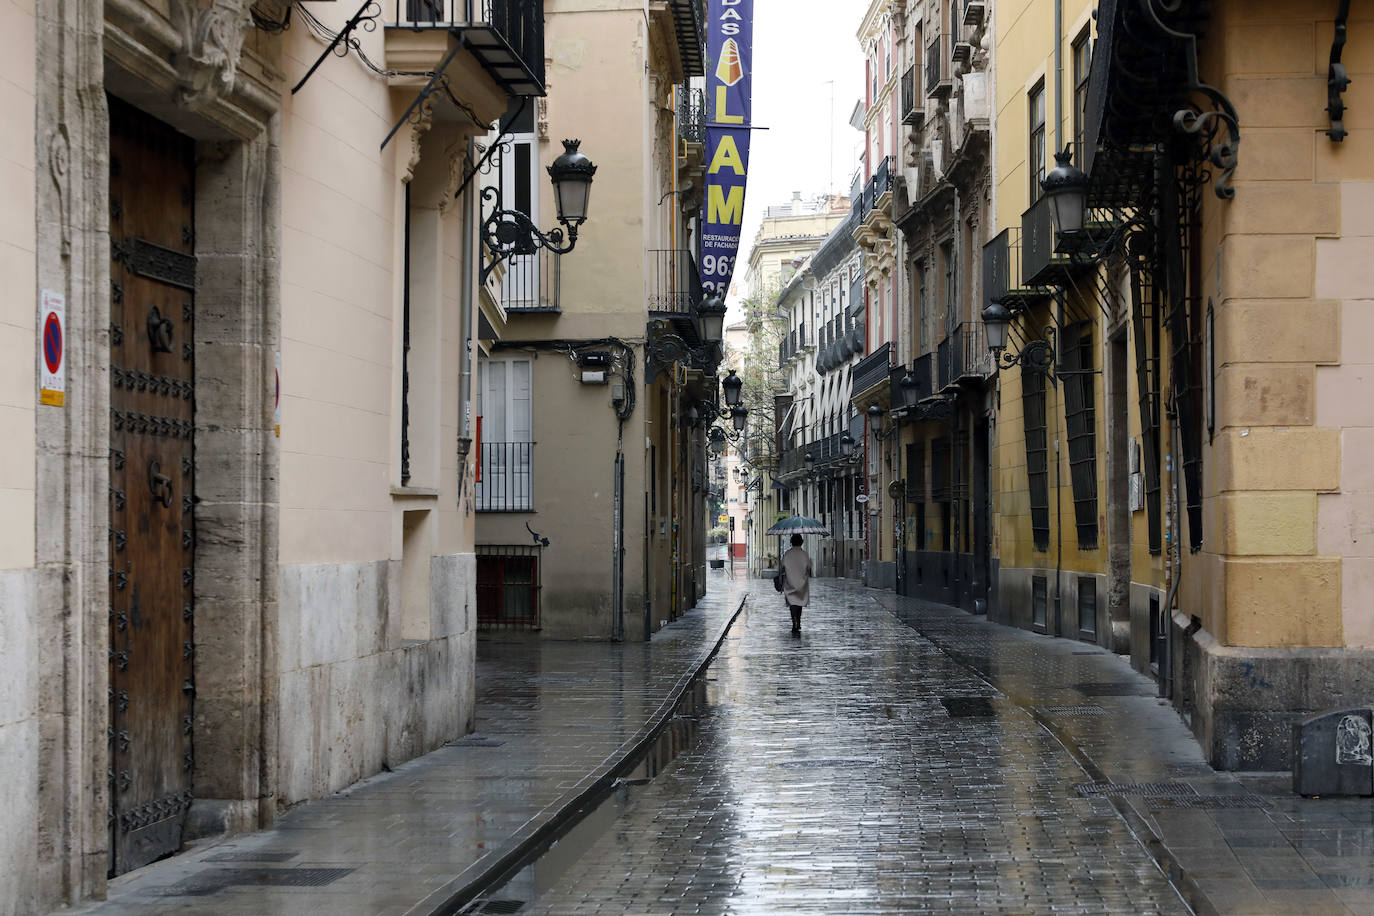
[471, 269]
[1058, 74]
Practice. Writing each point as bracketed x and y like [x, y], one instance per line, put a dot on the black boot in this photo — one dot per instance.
[796, 620]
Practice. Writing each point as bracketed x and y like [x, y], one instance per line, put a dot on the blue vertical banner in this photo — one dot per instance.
[729, 86]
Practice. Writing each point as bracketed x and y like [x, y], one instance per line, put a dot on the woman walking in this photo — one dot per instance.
[796, 590]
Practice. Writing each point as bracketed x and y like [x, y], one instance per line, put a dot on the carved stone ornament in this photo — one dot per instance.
[211, 47]
[420, 126]
[59, 165]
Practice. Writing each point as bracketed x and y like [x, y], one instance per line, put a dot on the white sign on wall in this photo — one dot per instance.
[52, 348]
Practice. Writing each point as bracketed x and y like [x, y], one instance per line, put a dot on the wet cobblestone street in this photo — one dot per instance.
[859, 769]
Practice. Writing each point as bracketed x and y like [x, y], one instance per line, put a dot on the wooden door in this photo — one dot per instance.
[152, 531]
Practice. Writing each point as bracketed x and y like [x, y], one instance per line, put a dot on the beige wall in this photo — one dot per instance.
[19, 301]
[1289, 258]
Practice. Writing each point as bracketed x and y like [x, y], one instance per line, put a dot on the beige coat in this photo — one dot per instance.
[796, 566]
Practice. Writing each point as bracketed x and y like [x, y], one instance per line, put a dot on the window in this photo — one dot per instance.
[1036, 159]
[1082, 65]
[1080, 414]
[1039, 600]
[1087, 606]
[506, 481]
[520, 191]
[507, 587]
[1037, 456]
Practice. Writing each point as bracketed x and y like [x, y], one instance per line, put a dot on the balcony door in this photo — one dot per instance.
[522, 286]
[504, 407]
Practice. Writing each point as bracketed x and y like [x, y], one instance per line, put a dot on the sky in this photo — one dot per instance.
[808, 74]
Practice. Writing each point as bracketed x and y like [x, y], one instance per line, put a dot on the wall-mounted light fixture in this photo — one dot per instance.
[1038, 354]
[510, 232]
[1066, 188]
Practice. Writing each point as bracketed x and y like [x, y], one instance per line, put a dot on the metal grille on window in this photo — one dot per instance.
[507, 587]
[1087, 605]
[916, 472]
[1145, 328]
[940, 489]
[1077, 375]
[1037, 456]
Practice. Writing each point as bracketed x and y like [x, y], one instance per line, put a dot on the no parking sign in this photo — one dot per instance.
[52, 356]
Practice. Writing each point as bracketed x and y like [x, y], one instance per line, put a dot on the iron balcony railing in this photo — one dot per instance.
[675, 285]
[910, 113]
[938, 80]
[802, 342]
[532, 282]
[975, 361]
[944, 364]
[506, 36]
[691, 114]
[505, 477]
[871, 370]
[921, 371]
[882, 179]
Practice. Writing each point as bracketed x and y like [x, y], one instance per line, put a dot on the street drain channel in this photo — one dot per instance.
[521, 883]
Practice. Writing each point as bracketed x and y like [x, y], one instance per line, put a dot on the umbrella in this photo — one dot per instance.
[798, 524]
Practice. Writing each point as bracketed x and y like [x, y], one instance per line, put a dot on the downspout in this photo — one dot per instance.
[1058, 74]
[465, 377]
[956, 454]
[1058, 339]
[1166, 616]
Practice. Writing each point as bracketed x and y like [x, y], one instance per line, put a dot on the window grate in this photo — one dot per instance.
[507, 587]
[1080, 416]
[1037, 456]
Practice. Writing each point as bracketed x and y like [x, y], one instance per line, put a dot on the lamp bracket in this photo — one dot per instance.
[510, 232]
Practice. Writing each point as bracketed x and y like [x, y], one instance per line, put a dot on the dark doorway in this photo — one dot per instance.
[152, 465]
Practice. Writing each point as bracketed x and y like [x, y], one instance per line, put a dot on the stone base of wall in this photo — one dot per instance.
[19, 743]
[354, 695]
[882, 575]
[1014, 606]
[1241, 702]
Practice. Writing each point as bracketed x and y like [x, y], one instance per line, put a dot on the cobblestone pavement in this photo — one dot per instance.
[553, 719]
[898, 757]
[859, 769]
[922, 759]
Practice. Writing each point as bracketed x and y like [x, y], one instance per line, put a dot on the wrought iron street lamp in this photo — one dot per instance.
[1038, 355]
[511, 232]
[846, 446]
[1066, 188]
[732, 386]
[712, 313]
[909, 386]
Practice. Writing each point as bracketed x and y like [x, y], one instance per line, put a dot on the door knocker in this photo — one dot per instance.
[159, 331]
[160, 484]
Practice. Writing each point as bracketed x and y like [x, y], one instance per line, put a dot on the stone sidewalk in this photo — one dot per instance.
[1233, 844]
[907, 757]
[555, 721]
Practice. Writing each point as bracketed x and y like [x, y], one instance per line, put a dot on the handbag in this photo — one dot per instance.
[777, 582]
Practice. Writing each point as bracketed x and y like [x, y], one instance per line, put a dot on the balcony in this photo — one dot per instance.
[689, 22]
[531, 283]
[920, 371]
[944, 364]
[973, 361]
[505, 36]
[939, 78]
[1041, 265]
[871, 371]
[1002, 263]
[674, 283]
[691, 115]
[505, 477]
[974, 13]
[911, 113]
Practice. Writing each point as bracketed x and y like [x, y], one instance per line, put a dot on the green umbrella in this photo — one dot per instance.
[798, 524]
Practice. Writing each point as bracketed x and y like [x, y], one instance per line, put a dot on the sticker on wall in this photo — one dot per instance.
[52, 373]
[276, 397]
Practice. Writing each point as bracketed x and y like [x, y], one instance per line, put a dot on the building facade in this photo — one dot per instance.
[592, 502]
[1174, 462]
[237, 555]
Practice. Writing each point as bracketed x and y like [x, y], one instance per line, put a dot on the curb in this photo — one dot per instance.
[542, 830]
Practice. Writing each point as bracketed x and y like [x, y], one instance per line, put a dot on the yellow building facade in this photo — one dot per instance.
[1186, 484]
